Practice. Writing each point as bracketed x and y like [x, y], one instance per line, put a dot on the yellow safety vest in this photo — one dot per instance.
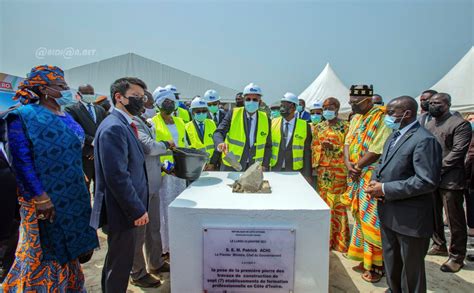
[183, 114]
[299, 137]
[164, 134]
[236, 137]
[195, 141]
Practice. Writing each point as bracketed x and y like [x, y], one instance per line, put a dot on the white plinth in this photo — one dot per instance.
[209, 202]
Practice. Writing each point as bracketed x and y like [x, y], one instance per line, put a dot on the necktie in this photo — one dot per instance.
[135, 129]
[392, 141]
[215, 118]
[285, 133]
[90, 109]
[201, 129]
[251, 138]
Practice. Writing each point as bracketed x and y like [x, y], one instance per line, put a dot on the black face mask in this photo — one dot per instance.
[239, 104]
[285, 111]
[135, 105]
[425, 105]
[167, 107]
[436, 111]
[357, 107]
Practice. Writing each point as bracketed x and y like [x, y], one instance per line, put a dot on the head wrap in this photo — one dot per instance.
[163, 95]
[39, 75]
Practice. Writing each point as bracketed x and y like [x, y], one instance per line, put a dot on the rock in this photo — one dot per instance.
[251, 181]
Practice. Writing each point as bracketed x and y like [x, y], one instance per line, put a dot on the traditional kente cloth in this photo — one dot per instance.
[367, 133]
[50, 250]
[332, 178]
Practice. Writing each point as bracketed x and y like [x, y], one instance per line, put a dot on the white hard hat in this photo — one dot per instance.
[315, 106]
[212, 96]
[162, 94]
[290, 97]
[172, 88]
[198, 103]
[252, 88]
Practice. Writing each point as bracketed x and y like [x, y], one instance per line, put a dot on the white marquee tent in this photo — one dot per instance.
[459, 83]
[101, 74]
[327, 84]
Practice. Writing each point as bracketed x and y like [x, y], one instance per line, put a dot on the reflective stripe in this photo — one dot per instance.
[260, 146]
[236, 142]
[275, 144]
[274, 157]
[169, 153]
[298, 147]
[209, 147]
[297, 159]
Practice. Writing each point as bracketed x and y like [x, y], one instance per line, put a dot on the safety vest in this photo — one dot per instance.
[183, 114]
[299, 137]
[195, 141]
[164, 134]
[236, 136]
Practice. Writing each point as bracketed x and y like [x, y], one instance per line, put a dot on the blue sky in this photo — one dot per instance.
[401, 47]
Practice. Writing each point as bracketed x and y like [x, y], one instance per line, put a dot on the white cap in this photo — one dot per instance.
[315, 105]
[252, 88]
[172, 88]
[290, 97]
[212, 96]
[162, 94]
[198, 103]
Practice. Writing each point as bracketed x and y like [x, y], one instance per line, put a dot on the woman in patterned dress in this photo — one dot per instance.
[328, 161]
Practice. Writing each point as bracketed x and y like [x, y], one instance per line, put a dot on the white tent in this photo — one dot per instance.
[459, 83]
[101, 74]
[327, 84]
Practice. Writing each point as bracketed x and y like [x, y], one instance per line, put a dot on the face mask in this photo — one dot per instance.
[285, 111]
[425, 105]
[391, 123]
[299, 109]
[329, 115]
[149, 113]
[316, 118]
[356, 108]
[134, 106]
[251, 106]
[213, 109]
[67, 98]
[275, 114]
[239, 104]
[435, 111]
[200, 117]
[88, 98]
[168, 107]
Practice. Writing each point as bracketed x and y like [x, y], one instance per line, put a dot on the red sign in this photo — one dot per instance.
[5, 85]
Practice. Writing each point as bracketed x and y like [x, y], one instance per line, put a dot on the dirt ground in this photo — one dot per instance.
[341, 276]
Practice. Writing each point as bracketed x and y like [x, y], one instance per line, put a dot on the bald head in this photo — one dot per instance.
[86, 89]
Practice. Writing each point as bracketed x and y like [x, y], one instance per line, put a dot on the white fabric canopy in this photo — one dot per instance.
[459, 83]
[101, 74]
[326, 85]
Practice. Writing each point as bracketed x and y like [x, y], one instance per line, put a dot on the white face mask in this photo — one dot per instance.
[149, 113]
[88, 98]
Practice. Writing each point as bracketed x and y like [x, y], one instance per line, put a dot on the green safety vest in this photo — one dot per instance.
[236, 137]
[183, 114]
[299, 138]
[195, 141]
[164, 134]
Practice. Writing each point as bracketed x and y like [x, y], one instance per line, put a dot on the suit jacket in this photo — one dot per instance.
[424, 118]
[83, 118]
[152, 149]
[221, 116]
[249, 151]
[454, 135]
[121, 191]
[410, 173]
[305, 115]
[287, 153]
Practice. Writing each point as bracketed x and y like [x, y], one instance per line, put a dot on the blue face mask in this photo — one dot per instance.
[329, 115]
[275, 114]
[213, 109]
[200, 117]
[316, 118]
[299, 109]
[390, 122]
[251, 106]
[67, 98]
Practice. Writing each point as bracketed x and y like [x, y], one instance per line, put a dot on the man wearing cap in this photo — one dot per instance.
[362, 149]
[178, 111]
[301, 112]
[291, 140]
[213, 102]
[200, 132]
[316, 110]
[245, 131]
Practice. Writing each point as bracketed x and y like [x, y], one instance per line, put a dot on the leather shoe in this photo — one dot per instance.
[451, 266]
[165, 268]
[435, 250]
[146, 281]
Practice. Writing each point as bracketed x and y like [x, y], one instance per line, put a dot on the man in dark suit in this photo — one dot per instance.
[121, 192]
[213, 102]
[424, 105]
[245, 132]
[301, 112]
[407, 175]
[89, 116]
[291, 136]
[454, 135]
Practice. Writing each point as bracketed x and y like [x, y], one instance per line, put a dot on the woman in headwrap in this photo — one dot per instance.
[45, 145]
[168, 128]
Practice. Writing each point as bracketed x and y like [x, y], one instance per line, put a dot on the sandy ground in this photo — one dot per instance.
[341, 276]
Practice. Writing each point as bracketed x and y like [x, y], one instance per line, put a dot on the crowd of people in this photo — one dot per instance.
[393, 170]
